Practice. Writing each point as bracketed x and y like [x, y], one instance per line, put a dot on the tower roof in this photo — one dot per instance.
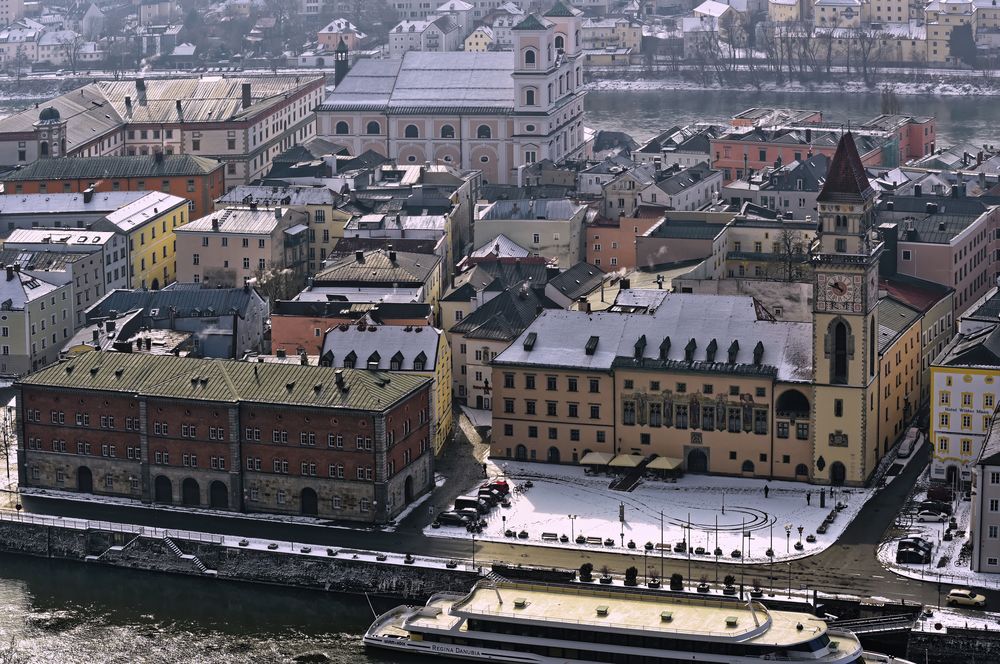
[846, 180]
[531, 22]
[561, 10]
[342, 46]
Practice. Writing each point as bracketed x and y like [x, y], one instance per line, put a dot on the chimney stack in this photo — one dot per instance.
[392, 256]
[10, 273]
[88, 194]
[158, 156]
[246, 95]
[359, 256]
[215, 224]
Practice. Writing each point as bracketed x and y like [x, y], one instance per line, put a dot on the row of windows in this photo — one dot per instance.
[573, 409]
[412, 131]
[944, 421]
[965, 445]
[551, 383]
[967, 399]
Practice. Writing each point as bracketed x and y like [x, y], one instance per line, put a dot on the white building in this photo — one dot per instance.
[438, 34]
[493, 112]
[551, 228]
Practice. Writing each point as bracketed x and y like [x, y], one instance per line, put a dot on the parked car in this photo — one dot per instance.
[935, 506]
[470, 513]
[965, 597]
[933, 517]
[915, 543]
[452, 519]
[912, 557]
[910, 442]
[941, 492]
[471, 501]
[500, 485]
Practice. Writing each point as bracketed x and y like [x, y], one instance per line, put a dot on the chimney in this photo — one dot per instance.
[177, 103]
[158, 156]
[88, 194]
[917, 190]
[809, 135]
[140, 84]
[149, 344]
[138, 344]
[246, 95]
[392, 256]
[215, 224]
[96, 334]
[128, 104]
[338, 377]
[625, 284]
[982, 180]
[280, 353]
[303, 359]
[277, 213]
[359, 256]
[10, 273]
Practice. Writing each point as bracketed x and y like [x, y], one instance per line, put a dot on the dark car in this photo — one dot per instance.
[915, 543]
[500, 485]
[912, 557]
[934, 506]
[452, 519]
[940, 492]
[472, 514]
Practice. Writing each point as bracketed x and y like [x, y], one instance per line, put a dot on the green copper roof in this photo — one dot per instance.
[561, 10]
[531, 22]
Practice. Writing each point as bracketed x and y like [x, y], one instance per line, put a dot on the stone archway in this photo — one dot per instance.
[408, 490]
[697, 461]
[163, 490]
[190, 493]
[309, 502]
[838, 473]
[218, 495]
[84, 480]
[521, 453]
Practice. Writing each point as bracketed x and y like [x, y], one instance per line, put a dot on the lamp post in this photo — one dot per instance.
[504, 525]
[723, 501]
[572, 529]
[473, 548]
[789, 580]
[788, 537]
[661, 544]
[801, 528]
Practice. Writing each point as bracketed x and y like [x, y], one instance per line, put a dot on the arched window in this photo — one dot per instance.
[484, 132]
[43, 148]
[411, 131]
[560, 42]
[801, 469]
[447, 131]
[872, 340]
[838, 358]
[529, 58]
[529, 97]
[373, 128]
[748, 466]
[342, 128]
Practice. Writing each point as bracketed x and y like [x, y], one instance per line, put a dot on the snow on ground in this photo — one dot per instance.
[936, 88]
[955, 570]
[560, 491]
[939, 620]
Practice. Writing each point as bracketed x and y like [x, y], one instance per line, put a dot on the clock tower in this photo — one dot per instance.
[845, 324]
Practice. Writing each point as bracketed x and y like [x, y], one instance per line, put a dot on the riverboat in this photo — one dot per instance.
[535, 623]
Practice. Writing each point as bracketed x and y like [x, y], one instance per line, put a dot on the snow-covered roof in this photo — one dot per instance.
[455, 6]
[576, 339]
[712, 8]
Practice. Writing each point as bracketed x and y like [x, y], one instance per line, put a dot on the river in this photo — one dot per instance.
[644, 113]
[59, 612]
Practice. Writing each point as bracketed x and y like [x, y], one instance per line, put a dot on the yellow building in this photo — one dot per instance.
[899, 369]
[480, 40]
[422, 349]
[783, 11]
[148, 225]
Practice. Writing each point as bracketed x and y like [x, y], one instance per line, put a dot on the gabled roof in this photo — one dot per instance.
[502, 247]
[846, 181]
[95, 168]
[980, 348]
[176, 302]
[504, 316]
[382, 344]
[560, 10]
[894, 318]
[577, 281]
[228, 381]
[376, 267]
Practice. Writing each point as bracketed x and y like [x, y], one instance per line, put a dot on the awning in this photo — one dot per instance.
[664, 463]
[626, 461]
[596, 459]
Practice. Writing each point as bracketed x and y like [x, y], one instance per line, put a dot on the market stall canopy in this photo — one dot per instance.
[664, 463]
[626, 461]
[596, 459]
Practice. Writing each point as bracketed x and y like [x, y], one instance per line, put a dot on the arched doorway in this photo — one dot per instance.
[748, 467]
[521, 453]
[218, 495]
[309, 502]
[408, 490]
[190, 492]
[163, 490]
[838, 473]
[84, 480]
[553, 456]
[697, 461]
[793, 404]
[802, 470]
[320, 62]
[155, 285]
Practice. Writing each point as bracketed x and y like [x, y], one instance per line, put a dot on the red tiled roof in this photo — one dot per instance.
[912, 291]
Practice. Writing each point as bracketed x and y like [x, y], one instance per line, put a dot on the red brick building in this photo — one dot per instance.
[350, 445]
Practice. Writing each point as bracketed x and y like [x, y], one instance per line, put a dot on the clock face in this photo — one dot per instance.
[839, 289]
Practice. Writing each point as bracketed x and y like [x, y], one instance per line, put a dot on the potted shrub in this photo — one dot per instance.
[756, 592]
[729, 585]
[770, 553]
[703, 584]
[632, 576]
[654, 579]
[631, 544]
[605, 575]
[737, 553]
[717, 552]
[587, 572]
[676, 581]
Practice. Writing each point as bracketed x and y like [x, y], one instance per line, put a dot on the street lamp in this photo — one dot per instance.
[473, 531]
[504, 525]
[572, 529]
[789, 580]
[788, 537]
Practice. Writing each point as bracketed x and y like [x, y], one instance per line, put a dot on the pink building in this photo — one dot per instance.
[340, 28]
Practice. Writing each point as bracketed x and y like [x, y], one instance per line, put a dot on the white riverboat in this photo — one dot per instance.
[533, 623]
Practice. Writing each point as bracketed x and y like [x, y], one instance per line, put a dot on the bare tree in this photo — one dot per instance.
[20, 60]
[792, 258]
[71, 45]
[868, 42]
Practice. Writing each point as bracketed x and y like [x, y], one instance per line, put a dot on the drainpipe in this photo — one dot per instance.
[774, 415]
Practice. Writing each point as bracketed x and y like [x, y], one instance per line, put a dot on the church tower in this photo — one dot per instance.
[845, 323]
[341, 62]
[50, 134]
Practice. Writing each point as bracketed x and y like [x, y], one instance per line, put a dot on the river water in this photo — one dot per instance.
[57, 612]
[644, 113]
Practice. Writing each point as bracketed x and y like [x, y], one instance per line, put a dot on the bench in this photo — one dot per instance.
[550, 536]
[599, 541]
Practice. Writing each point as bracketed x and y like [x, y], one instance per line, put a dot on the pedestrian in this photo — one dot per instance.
[809, 498]
[766, 491]
[484, 470]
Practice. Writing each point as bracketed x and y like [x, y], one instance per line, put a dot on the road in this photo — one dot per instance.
[848, 567]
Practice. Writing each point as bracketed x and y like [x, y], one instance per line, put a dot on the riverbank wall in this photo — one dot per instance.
[214, 557]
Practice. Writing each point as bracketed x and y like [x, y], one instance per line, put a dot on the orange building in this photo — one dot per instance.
[611, 243]
[301, 326]
[198, 179]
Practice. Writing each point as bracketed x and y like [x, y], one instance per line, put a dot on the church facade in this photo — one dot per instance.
[495, 112]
